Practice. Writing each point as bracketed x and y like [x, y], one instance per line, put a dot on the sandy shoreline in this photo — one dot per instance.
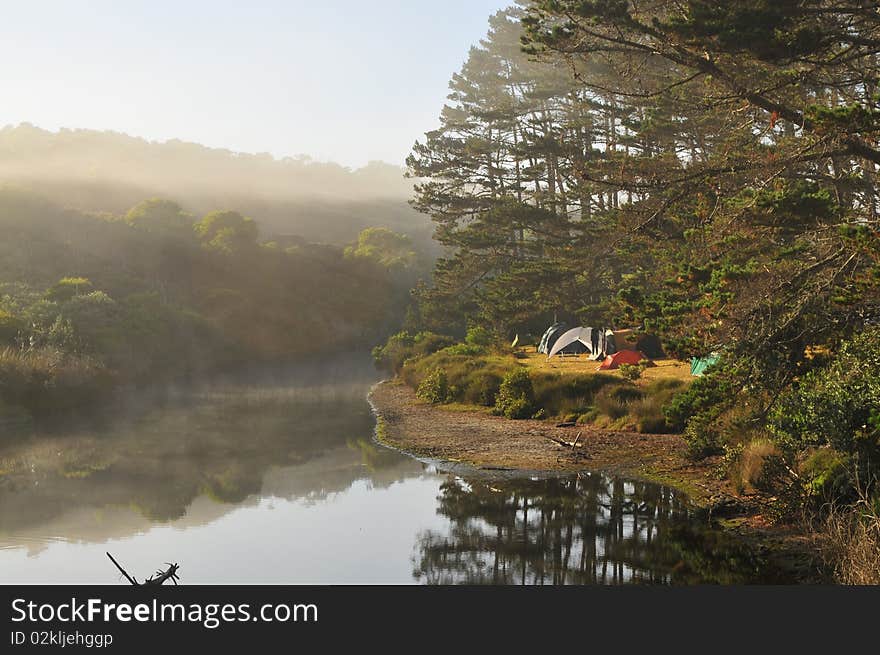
[480, 440]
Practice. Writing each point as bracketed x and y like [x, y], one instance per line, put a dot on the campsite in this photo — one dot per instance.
[525, 292]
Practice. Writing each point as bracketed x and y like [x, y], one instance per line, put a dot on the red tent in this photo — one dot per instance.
[621, 357]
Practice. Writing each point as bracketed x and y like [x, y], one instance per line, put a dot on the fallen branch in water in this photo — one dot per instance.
[160, 577]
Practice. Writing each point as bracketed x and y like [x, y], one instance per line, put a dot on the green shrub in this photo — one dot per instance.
[434, 388]
[479, 337]
[403, 346]
[826, 475]
[631, 371]
[702, 437]
[68, 287]
[837, 404]
[705, 394]
[516, 396]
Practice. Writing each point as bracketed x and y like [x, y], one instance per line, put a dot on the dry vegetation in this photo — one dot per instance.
[665, 369]
[850, 538]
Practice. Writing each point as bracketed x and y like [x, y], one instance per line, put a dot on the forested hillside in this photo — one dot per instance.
[111, 172]
[90, 304]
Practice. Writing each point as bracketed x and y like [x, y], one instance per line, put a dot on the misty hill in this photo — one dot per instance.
[110, 172]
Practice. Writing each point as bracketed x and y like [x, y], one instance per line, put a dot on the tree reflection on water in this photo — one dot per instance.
[586, 529]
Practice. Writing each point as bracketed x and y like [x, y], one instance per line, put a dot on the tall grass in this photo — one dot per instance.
[46, 381]
[850, 538]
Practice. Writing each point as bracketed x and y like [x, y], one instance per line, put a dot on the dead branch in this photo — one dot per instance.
[160, 577]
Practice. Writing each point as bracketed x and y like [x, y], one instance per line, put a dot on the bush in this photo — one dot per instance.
[826, 475]
[837, 404]
[516, 396]
[434, 388]
[403, 346]
[631, 371]
[707, 394]
[464, 349]
[479, 337]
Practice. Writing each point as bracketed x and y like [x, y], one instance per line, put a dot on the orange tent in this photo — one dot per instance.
[621, 357]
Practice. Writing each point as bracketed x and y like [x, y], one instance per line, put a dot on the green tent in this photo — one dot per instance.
[700, 364]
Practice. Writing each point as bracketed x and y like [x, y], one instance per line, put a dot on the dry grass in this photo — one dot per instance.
[753, 461]
[851, 543]
[665, 369]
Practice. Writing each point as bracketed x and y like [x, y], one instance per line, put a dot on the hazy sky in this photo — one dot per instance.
[344, 80]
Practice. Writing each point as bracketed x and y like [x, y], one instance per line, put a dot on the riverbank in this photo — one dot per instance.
[470, 436]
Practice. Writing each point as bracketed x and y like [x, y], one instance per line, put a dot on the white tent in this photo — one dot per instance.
[582, 334]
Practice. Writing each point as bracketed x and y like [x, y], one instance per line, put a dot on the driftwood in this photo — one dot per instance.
[567, 444]
[160, 577]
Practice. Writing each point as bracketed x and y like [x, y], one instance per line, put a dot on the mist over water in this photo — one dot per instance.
[273, 477]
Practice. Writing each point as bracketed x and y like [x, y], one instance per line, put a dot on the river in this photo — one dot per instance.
[275, 478]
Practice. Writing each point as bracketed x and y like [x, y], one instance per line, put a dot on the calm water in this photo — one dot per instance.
[277, 480]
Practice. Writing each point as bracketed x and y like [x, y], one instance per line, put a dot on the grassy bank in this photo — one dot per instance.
[528, 385]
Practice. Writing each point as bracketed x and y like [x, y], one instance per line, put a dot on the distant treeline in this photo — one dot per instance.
[89, 304]
[110, 172]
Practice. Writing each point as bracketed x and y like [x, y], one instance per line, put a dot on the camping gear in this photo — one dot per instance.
[596, 342]
[648, 344]
[575, 341]
[700, 364]
[550, 336]
[621, 357]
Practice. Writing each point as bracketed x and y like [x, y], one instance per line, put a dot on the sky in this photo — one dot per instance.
[339, 80]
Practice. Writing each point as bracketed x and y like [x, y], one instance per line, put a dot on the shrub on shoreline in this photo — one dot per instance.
[516, 396]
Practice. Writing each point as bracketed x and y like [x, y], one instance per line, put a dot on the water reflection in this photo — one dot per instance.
[275, 479]
[586, 529]
[305, 434]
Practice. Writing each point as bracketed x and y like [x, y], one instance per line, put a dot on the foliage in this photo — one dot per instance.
[403, 346]
[292, 198]
[630, 371]
[388, 249]
[827, 475]
[837, 403]
[479, 336]
[47, 381]
[138, 300]
[516, 396]
[434, 388]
